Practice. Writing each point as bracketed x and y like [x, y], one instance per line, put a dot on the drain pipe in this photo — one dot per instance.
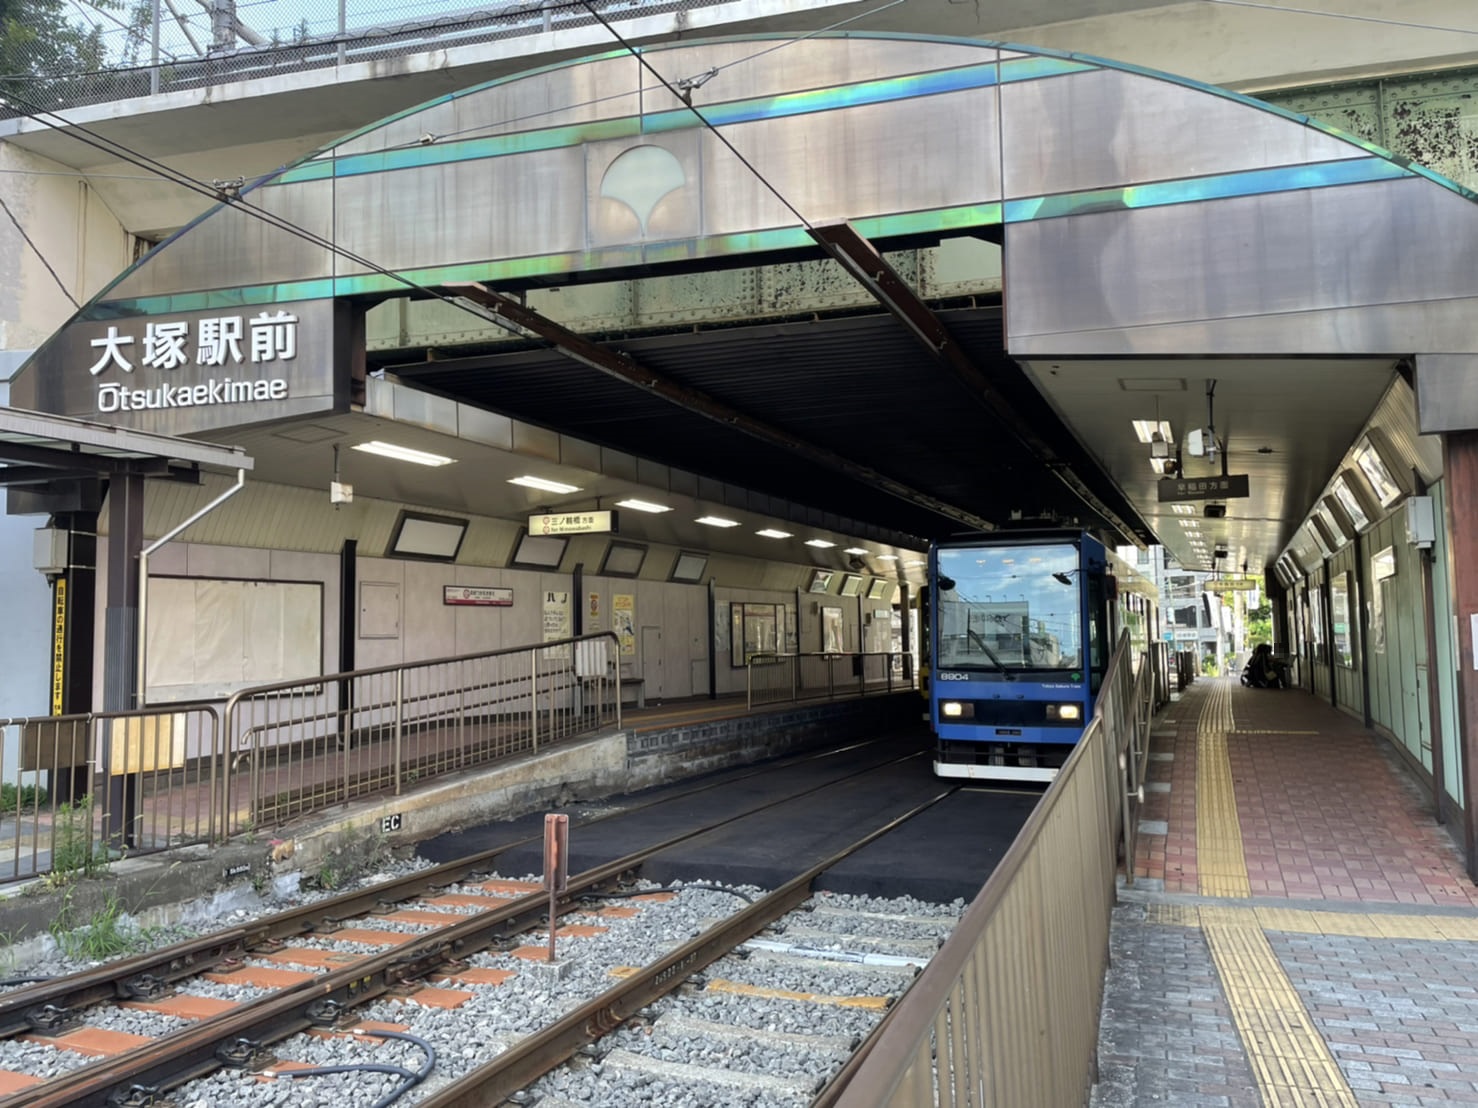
[139, 676]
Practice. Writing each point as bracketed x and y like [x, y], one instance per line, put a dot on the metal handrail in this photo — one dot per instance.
[1007, 1011]
[798, 690]
[305, 757]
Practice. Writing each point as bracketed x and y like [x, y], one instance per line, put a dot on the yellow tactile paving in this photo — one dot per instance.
[1354, 925]
[1221, 867]
[1290, 1060]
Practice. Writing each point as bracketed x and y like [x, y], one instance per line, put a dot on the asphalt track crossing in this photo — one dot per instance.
[943, 854]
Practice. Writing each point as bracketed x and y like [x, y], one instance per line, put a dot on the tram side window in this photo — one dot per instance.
[1097, 633]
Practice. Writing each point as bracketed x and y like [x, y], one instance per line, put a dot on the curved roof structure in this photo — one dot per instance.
[1142, 217]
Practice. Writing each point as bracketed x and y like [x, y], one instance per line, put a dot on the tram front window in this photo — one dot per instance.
[1009, 608]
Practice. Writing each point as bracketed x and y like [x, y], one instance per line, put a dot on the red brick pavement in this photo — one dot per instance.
[1326, 811]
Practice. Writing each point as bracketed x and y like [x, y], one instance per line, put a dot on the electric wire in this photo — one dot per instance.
[37, 250]
[1404, 23]
[482, 129]
[703, 119]
[238, 203]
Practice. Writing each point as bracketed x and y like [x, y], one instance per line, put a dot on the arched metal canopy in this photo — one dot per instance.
[1152, 228]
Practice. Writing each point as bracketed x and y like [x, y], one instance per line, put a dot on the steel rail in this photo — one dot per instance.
[541, 1052]
[50, 1006]
[238, 1037]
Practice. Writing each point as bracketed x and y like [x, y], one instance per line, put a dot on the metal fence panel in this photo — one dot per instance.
[1006, 1013]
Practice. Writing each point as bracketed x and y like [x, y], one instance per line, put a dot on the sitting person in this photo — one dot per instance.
[1263, 670]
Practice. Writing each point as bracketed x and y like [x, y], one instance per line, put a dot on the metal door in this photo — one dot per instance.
[651, 663]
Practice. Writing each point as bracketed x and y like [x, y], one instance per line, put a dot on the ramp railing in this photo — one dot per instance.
[78, 791]
[1007, 1012]
[782, 678]
[300, 746]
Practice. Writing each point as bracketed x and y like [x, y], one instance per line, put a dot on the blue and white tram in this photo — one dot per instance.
[1022, 627]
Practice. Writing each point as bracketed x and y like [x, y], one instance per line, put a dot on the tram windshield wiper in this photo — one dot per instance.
[991, 654]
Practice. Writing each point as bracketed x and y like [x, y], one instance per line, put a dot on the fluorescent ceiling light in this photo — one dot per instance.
[1183, 509]
[543, 485]
[771, 533]
[822, 543]
[717, 521]
[854, 550]
[403, 453]
[1146, 428]
[887, 557]
[913, 563]
[642, 506]
[1159, 464]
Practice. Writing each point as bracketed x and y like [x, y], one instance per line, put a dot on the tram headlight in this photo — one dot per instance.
[1072, 712]
[954, 709]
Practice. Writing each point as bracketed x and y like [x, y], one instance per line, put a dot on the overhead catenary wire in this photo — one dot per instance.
[703, 119]
[37, 251]
[1349, 16]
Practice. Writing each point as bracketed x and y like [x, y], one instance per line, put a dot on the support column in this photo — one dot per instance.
[1460, 479]
[120, 639]
[73, 694]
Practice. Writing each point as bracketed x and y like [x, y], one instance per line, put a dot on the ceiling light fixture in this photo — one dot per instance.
[542, 484]
[717, 521]
[403, 453]
[642, 506]
[854, 550]
[821, 543]
[887, 557]
[771, 533]
[1147, 429]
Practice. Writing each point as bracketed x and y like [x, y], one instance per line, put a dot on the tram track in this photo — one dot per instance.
[243, 1036]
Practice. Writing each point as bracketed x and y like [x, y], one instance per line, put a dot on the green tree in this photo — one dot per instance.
[44, 56]
[1259, 625]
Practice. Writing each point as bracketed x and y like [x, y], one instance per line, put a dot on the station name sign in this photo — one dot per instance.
[217, 344]
[1202, 488]
[573, 523]
[477, 596]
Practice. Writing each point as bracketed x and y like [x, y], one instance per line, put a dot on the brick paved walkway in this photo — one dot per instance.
[1347, 976]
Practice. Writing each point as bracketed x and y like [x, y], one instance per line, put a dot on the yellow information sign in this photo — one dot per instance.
[58, 646]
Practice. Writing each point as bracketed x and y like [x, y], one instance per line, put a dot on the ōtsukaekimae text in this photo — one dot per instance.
[122, 398]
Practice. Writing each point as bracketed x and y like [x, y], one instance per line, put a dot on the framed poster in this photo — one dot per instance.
[831, 631]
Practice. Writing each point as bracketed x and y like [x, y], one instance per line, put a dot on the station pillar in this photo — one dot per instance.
[1460, 478]
[121, 638]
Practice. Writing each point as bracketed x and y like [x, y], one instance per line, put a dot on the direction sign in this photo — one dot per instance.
[572, 523]
[1202, 488]
[1227, 584]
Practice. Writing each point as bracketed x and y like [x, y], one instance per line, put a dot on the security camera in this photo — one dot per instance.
[857, 563]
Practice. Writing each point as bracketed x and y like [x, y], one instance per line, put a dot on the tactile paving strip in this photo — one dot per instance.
[1220, 863]
[1290, 1060]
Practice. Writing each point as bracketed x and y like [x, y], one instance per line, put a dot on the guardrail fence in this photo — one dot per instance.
[782, 678]
[79, 790]
[164, 47]
[1006, 1013]
[299, 746]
